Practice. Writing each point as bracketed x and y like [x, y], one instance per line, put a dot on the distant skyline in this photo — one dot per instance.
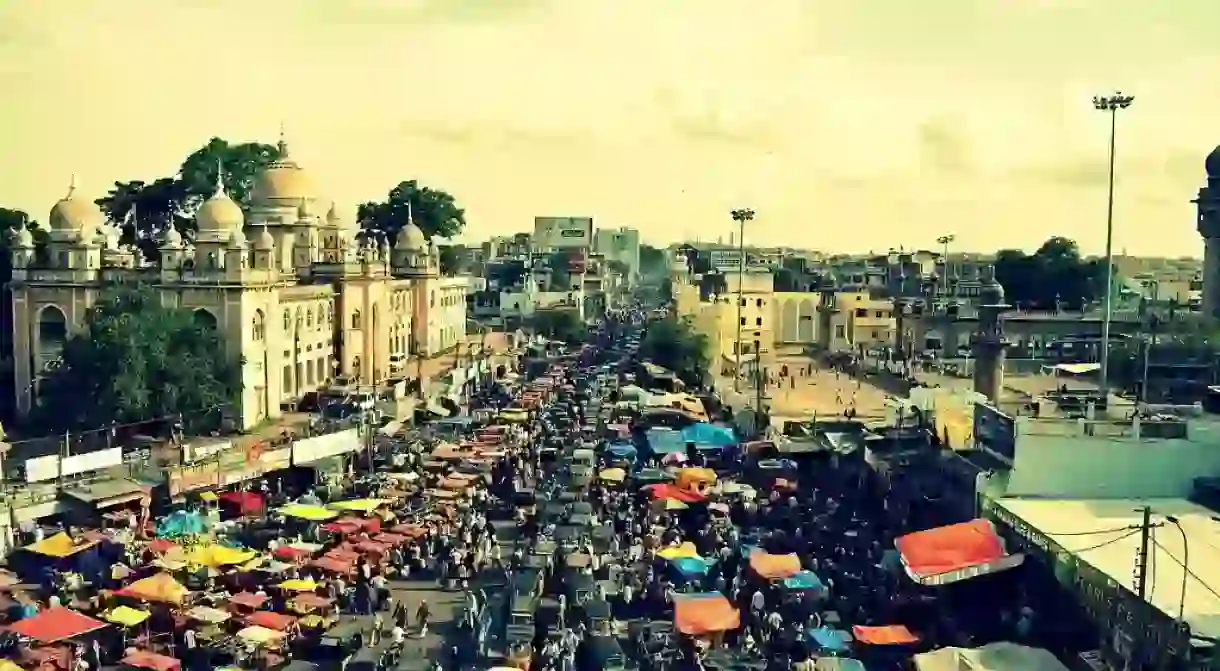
[846, 125]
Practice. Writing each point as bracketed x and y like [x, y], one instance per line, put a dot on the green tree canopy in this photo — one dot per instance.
[450, 259]
[676, 345]
[435, 212]
[562, 325]
[9, 220]
[146, 209]
[653, 265]
[138, 360]
[1055, 275]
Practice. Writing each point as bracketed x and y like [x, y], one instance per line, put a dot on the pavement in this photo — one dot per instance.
[822, 392]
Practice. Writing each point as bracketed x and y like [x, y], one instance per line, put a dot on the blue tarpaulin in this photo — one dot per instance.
[665, 441]
[181, 523]
[621, 449]
[704, 434]
[827, 638]
[698, 595]
[803, 580]
[690, 566]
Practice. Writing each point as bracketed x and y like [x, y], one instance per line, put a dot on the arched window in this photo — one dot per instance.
[287, 321]
[52, 330]
[309, 318]
[205, 319]
[259, 326]
[356, 319]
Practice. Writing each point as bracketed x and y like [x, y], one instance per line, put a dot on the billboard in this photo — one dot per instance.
[563, 232]
[995, 432]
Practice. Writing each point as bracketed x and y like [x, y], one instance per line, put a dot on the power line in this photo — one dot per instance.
[1186, 570]
[1104, 544]
[127, 425]
[1129, 527]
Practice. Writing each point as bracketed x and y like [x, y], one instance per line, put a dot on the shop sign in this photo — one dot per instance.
[274, 460]
[189, 478]
[240, 475]
[310, 450]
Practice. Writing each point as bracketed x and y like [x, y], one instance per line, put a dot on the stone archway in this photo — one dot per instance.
[787, 321]
[205, 319]
[52, 333]
[807, 317]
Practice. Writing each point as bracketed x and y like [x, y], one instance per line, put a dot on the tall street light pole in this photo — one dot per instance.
[741, 216]
[944, 241]
[1110, 105]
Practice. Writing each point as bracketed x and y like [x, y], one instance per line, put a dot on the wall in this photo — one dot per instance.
[757, 312]
[796, 317]
[1074, 466]
[562, 232]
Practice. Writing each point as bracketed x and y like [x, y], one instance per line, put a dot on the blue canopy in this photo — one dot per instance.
[690, 566]
[709, 435]
[665, 441]
[804, 580]
[181, 523]
[840, 664]
[828, 638]
[621, 449]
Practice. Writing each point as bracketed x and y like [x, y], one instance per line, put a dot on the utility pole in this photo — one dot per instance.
[944, 241]
[1109, 104]
[1149, 338]
[1141, 565]
[741, 216]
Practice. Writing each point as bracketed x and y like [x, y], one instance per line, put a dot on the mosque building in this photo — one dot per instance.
[294, 292]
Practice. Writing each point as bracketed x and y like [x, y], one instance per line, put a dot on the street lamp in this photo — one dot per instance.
[741, 216]
[1185, 567]
[944, 241]
[1110, 105]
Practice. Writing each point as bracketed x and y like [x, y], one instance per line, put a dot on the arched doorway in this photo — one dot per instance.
[258, 334]
[805, 321]
[788, 322]
[52, 333]
[376, 334]
[205, 319]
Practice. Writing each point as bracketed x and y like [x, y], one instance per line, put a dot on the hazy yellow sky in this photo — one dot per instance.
[846, 124]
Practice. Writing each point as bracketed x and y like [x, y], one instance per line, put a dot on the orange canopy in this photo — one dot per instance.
[894, 634]
[949, 549]
[705, 615]
[774, 567]
[160, 587]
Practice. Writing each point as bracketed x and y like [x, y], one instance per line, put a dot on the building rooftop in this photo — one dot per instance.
[1105, 533]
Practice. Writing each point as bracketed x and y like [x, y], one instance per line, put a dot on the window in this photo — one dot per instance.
[309, 318]
[759, 303]
[743, 321]
[287, 321]
[356, 319]
[840, 332]
[743, 302]
[861, 313]
[758, 322]
[881, 314]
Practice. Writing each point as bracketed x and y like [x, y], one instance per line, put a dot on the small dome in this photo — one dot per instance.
[75, 215]
[22, 238]
[411, 237]
[172, 239]
[283, 182]
[219, 215]
[237, 241]
[1212, 164]
[332, 215]
[991, 292]
[304, 211]
[264, 242]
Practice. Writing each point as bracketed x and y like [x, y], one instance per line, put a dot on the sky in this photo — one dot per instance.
[847, 125]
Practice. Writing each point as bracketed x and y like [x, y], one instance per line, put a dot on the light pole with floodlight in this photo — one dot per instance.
[741, 216]
[1110, 105]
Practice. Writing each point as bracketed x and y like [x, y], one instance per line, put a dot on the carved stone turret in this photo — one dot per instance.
[988, 342]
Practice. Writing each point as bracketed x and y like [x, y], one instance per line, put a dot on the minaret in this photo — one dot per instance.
[1208, 204]
[989, 343]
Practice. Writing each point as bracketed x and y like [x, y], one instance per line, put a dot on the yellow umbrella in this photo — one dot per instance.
[209, 497]
[215, 556]
[669, 504]
[298, 585]
[613, 475]
[9, 665]
[359, 505]
[259, 635]
[678, 552]
[311, 513]
[126, 616]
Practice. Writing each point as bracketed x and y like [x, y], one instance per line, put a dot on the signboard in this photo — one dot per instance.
[563, 232]
[199, 451]
[240, 475]
[189, 478]
[42, 469]
[310, 450]
[995, 432]
[274, 460]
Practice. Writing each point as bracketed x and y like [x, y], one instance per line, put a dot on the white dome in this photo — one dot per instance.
[264, 242]
[411, 237]
[172, 239]
[75, 215]
[283, 182]
[22, 238]
[218, 216]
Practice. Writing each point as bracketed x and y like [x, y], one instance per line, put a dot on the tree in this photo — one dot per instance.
[676, 345]
[450, 259]
[562, 325]
[786, 279]
[1053, 277]
[9, 220]
[618, 267]
[560, 263]
[652, 263]
[435, 212]
[137, 360]
[146, 210]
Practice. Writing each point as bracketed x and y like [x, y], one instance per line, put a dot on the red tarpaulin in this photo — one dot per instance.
[954, 553]
[247, 599]
[161, 546]
[332, 564]
[143, 659]
[248, 502]
[668, 491]
[270, 620]
[56, 624]
[290, 553]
